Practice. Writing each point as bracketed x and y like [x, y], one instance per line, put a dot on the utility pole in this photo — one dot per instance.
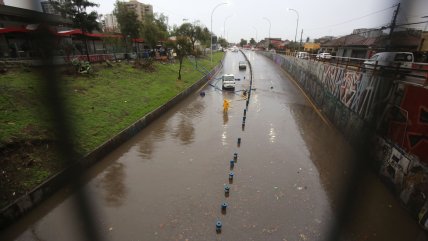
[392, 27]
[301, 34]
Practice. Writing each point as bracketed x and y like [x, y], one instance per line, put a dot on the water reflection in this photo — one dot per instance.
[146, 144]
[225, 117]
[272, 134]
[224, 138]
[195, 109]
[184, 131]
[113, 184]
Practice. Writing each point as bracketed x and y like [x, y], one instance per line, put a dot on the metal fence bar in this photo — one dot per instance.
[53, 97]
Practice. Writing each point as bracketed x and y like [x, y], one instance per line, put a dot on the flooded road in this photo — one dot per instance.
[167, 183]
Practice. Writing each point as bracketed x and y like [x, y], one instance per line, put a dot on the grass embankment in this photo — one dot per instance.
[100, 105]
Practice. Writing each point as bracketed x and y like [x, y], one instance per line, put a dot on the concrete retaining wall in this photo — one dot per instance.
[47, 188]
[350, 99]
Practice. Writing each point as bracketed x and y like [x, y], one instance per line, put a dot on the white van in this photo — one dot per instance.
[302, 55]
[228, 81]
[390, 59]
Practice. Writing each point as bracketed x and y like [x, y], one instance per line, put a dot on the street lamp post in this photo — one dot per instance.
[297, 25]
[269, 29]
[218, 5]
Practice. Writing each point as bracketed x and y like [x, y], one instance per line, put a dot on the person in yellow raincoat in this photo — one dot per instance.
[225, 105]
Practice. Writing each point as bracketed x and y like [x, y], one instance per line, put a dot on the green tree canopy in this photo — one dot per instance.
[154, 29]
[182, 47]
[223, 42]
[76, 11]
[252, 41]
[127, 20]
[243, 42]
[194, 31]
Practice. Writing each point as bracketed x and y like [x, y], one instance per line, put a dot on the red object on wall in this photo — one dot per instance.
[413, 137]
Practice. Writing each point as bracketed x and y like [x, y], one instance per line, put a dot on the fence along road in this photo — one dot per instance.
[167, 182]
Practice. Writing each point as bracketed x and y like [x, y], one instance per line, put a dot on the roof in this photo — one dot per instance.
[31, 16]
[14, 30]
[65, 33]
[400, 39]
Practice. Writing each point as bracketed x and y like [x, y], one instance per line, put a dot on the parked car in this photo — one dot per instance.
[390, 59]
[242, 65]
[228, 81]
[323, 56]
[302, 55]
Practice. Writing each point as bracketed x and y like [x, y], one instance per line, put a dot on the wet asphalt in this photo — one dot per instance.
[167, 183]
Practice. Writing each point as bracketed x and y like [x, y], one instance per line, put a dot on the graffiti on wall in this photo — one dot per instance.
[330, 79]
[411, 131]
[354, 89]
[348, 87]
[408, 176]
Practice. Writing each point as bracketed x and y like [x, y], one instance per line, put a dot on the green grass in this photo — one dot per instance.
[99, 106]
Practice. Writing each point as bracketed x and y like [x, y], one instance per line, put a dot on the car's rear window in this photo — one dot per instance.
[229, 78]
[403, 57]
[374, 57]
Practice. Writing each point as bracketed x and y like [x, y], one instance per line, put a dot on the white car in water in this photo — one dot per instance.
[242, 65]
[228, 81]
[323, 56]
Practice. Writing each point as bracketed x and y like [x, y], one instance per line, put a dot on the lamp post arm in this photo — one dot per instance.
[212, 12]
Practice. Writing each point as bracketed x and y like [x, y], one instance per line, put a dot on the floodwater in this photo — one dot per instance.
[167, 183]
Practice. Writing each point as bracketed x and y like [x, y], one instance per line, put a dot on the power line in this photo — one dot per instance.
[354, 19]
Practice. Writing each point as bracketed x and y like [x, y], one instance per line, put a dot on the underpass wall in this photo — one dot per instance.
[372, 111]
[350, 99]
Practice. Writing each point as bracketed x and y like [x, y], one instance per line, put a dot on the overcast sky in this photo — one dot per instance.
[247, 18]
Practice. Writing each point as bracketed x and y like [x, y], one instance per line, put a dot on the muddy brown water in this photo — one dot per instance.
[167, 182]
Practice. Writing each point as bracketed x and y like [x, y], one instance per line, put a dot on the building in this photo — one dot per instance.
[368, 32]
[16, 26]
[311, 47]
[324, 39]
[357, 46]
[110, 23]
[48, 8]
[270, 41]
[140, 9]
[33, 5]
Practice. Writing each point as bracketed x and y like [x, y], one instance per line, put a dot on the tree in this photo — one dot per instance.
[204, 36]
[307, 40]
[252, 41]
[243, 42]
[183, 47]
[194, 31]
[76, 11]
[129, 24]
[154, 29]
[223, 42]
